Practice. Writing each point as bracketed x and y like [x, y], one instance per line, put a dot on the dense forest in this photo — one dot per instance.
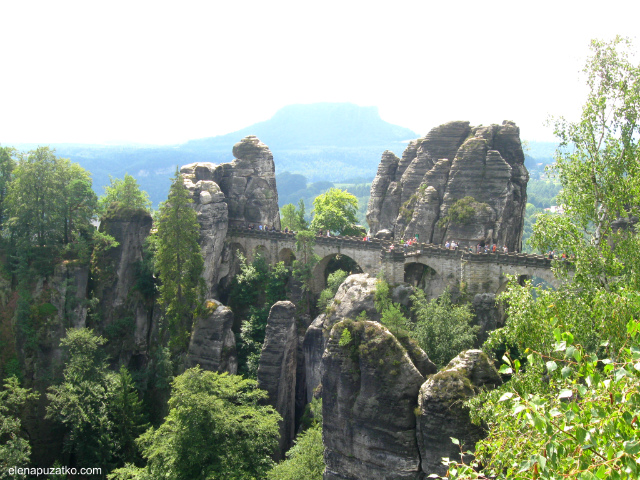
[73, 392]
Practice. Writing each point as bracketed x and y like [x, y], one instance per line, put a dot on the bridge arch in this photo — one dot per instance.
[262, 251]
[287, 256]
[420, 274]
[329, 264]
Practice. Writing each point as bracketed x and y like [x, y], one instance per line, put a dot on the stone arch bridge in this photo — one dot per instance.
[429, 266]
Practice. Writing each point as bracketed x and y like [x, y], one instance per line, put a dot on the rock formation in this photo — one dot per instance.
[277, 370]
[441, 411]
[249, 183]
[369, 392]
[488, 314]
[213, 344]
[211, 208]
[123, 307]
[57, 303]
[239, 193]
[354, 296]
[415, 194]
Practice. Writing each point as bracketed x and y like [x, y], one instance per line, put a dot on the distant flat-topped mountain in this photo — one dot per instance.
[317, 125]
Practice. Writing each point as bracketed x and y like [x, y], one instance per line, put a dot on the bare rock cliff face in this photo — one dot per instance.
[213, 344]
[239, 193]
[442, 414]
[355, 295]
[122, 306]
[57, 303]
[211, 207]
[277, 370]
[410, 195]
[369, 389]
[249, 182]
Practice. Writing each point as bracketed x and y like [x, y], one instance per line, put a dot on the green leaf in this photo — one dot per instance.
[519, 408]
[455, 441]
[505, 396]
[570, 351]
[577, 355]
[551, 365]
[632, 447]
[505, 369]
[565, 393]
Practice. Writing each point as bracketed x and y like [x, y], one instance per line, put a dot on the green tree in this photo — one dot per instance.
[81, 402]
[393, 318]
[305, 262]
[125, 192]
[217, 428]
[253, 291]
[14, 447]
[305, 460]
[597, 165]
[570, 409]
[293, 218]
[50, 203]
[335, 210]
[442, 328]
[7, 164]
[128, 417]
[334, 280]
[179, 263]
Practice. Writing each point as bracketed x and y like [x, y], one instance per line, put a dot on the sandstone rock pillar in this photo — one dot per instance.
[277, 369]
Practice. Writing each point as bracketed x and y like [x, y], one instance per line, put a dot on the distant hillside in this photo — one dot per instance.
[324, 142]
[538, 156]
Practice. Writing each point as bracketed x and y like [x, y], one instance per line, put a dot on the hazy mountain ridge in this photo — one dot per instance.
[322, 141]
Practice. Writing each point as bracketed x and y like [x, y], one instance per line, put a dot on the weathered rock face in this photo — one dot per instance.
[369, 393]
[239, 193]
[211, 208]
[410, 195]
[213, 344]
[441, 412]
[277, 370]
[123, 307]
[249, 183]
[488, 313]
[354, 296]
[57, 303]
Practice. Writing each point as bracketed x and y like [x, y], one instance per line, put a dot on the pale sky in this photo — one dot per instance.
[166, 72]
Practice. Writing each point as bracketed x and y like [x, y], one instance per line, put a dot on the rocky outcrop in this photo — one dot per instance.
[125, 310]
[210, 205]
[249, 182]
[369, 392]
[354, 297]
[277, 370]
[56, 304]
[441, 411]
[414, 195]
[213, 343]
[488, 314]
[238, 193]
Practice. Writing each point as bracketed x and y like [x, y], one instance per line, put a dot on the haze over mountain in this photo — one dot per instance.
[322, 141]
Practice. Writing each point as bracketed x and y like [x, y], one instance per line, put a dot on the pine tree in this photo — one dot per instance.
[179, 263]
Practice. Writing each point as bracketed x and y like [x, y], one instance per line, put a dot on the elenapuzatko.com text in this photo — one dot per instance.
[37, 472]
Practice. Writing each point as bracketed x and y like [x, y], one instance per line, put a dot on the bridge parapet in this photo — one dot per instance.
[484, 272]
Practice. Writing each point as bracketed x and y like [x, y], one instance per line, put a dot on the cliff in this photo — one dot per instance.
[422, 193]
[123, 313]
[239, 193]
